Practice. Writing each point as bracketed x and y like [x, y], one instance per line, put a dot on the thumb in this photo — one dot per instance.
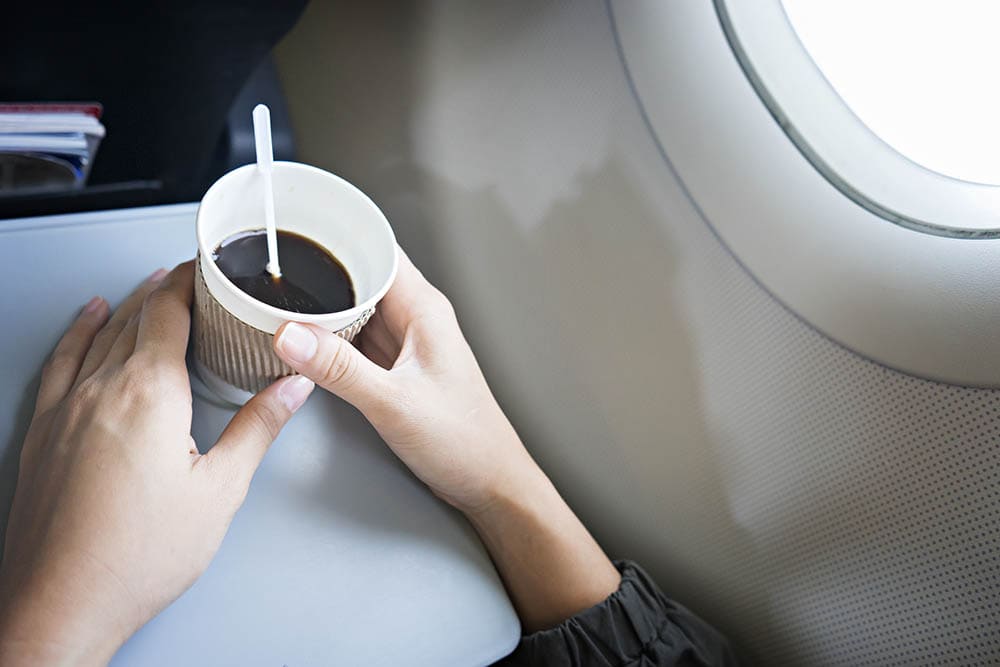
[240, 448]
[333, 363]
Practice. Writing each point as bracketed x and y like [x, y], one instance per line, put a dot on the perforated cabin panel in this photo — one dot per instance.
[872, 498]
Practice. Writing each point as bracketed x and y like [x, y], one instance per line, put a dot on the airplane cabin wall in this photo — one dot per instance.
[816, 506]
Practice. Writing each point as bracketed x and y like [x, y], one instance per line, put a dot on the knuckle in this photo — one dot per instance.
[107, 334]
[264, 421]
[437, 313]
[339, 368]
[442, 305]
[143, 381]
[88, 390]
[82, 399]
[135, 372]
[59, 363]
[157, 298]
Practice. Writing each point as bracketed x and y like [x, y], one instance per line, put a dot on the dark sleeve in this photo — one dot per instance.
[637, 626]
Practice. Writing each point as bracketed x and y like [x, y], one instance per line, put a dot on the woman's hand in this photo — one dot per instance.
[418, 383]
[116, 513]
[416, 380]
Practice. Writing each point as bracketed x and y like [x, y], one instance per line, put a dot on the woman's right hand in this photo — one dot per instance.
[416, 380]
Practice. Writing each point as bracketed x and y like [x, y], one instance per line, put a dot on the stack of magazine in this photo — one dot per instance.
[47, 147]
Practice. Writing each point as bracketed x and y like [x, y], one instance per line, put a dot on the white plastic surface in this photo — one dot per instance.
[339, 555]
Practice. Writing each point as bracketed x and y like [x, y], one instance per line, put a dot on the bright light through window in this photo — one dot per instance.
[921, 74]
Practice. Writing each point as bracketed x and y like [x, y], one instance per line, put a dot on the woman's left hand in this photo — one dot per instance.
[116, 513]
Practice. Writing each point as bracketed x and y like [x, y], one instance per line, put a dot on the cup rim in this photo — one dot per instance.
[288, 315]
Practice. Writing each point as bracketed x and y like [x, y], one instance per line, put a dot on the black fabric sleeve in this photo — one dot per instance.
[636, 626]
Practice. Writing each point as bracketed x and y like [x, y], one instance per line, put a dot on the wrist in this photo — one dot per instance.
[525, 499]
[24, 642]
[550, 564]
[29, 652]
[46, 625]
[522, 484]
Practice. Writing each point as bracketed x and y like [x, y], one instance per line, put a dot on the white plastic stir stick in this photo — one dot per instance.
[265, 162]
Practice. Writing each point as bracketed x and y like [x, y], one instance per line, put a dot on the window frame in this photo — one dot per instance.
[921, 300]
[837, 143]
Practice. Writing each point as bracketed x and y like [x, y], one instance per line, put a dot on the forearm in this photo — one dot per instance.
[551, 566]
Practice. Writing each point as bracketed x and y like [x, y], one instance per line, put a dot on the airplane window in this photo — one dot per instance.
[812, 138]
[918, 74]
[892, 101]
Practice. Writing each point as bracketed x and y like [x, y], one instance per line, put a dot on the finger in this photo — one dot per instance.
[374, 351]
[109, 334]
[410, 297]
[334, 364]
[63, 366]
[376, 343]
[241, 447]
[166, 315]
[124, 345]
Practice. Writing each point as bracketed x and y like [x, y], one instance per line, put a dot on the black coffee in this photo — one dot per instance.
[312, 280]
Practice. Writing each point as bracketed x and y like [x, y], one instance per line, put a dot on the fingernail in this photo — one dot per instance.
[294, 391]
[297, 342]
[93, 305]
[158, 275]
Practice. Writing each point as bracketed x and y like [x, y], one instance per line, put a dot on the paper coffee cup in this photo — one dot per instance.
[232, 331]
